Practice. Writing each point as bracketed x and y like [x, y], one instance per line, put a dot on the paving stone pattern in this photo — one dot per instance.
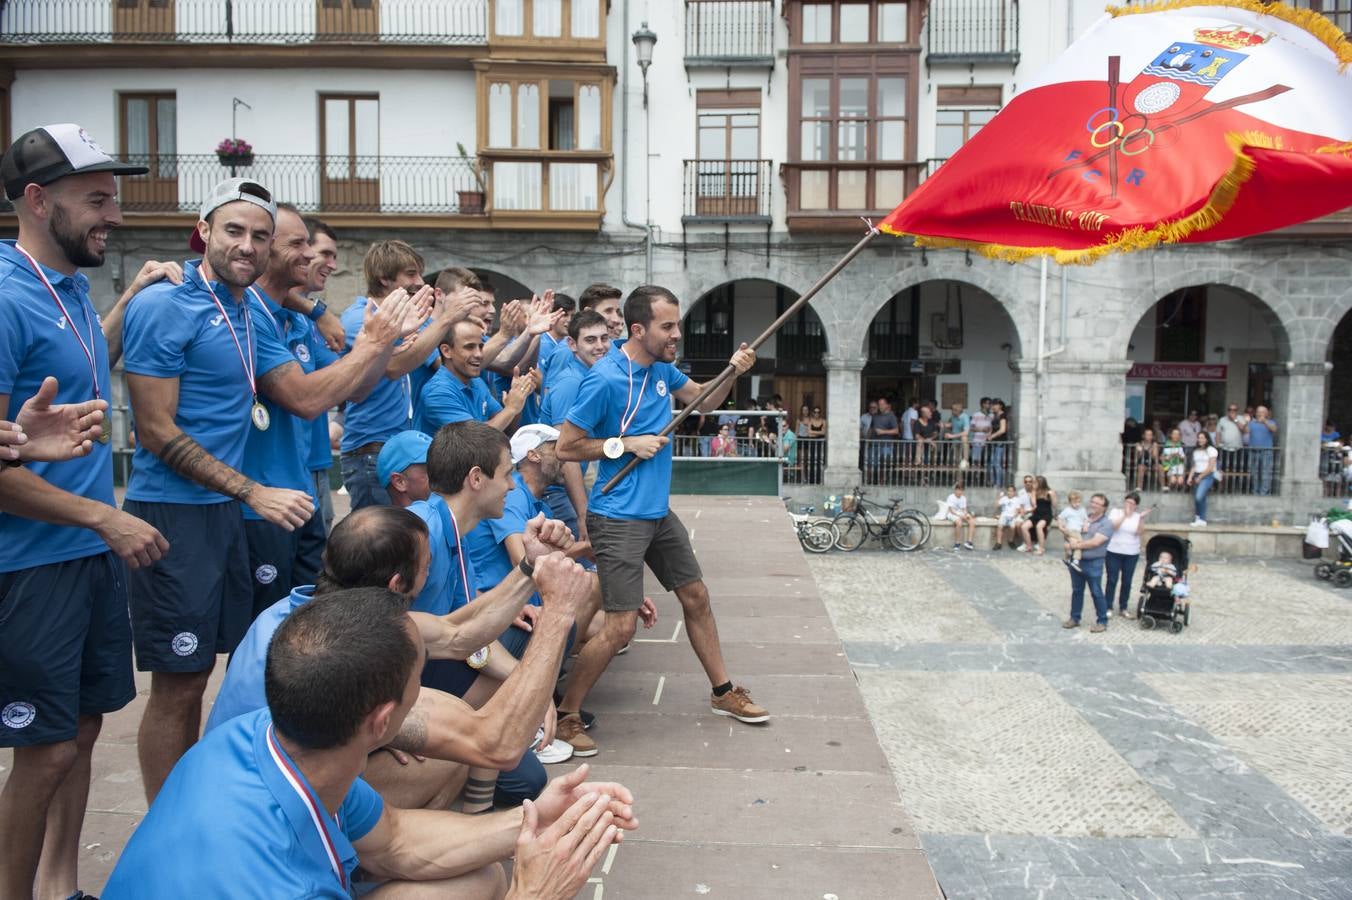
[1038, 762]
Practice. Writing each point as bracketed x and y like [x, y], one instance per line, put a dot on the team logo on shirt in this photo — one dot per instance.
[485, 408]
[265, 574]
[661, 388]
[302, 353]
[184, 643]
[61, 322]
[18, 715]
[216, 320]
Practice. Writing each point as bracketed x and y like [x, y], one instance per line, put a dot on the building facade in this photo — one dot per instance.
[523, 138]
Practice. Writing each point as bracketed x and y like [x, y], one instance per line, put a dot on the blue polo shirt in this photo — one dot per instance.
[227, 823]
[279, 457]
[446, 399]
[321, 454]
[242, 690]
[1260, 438]
[565, 377]
[485, 543]
[645, 492]
[177, 331]
[388, 409]
[444, 591]
[36, 340]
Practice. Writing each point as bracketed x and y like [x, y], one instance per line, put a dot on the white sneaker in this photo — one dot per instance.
[1021, 548]
[1110, 613]
[1199, 522]
[557, 752]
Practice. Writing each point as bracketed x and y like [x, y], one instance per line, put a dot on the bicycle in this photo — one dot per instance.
[817, 535]
[903, 529]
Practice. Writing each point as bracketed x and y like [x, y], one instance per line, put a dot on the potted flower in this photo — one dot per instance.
[235, 152]
[472, 202]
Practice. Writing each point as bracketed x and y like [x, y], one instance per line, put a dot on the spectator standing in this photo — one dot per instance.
[979, 427]
[925, 430]
[1330, 432]
[1124, 550]
[957, 428]
[816, 423]
[1146, 458]
[1230, 438]
[866, 419]
[1093, 547]
[995, 443]
[803, 415]
[1202, 478]
[1189, 428]
[1262, 432]
[1211, 425]
[1131, 432]
[886, 430]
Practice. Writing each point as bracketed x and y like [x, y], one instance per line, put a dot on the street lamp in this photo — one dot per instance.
[644, 39]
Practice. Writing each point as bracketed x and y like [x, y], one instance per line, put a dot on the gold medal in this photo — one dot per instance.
[105, 432]
[261, 419]
[479, 658]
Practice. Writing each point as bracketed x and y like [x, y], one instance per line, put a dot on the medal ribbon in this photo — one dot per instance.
[246, 362]
[317, 815]
[627, 417]
[87, 348]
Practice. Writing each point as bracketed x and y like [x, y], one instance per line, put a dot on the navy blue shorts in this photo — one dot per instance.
[65, 648]
[196, 602]
[280, 560]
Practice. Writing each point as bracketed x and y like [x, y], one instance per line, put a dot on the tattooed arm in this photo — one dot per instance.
[154, 402]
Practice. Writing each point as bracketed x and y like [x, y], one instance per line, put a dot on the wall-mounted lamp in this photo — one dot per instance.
[644, 40]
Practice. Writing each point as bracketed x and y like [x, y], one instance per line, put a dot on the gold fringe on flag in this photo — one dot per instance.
[1317, 24]
[1221, 199]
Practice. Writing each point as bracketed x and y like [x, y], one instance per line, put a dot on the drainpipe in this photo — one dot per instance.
[624, 157]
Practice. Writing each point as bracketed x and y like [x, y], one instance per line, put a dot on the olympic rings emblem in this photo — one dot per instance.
[1120, 135]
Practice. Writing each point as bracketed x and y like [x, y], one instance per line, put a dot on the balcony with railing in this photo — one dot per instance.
[831, 195]
[730, 33]
[427, 185]
[973, 31]
[727, 190]
[269, 22]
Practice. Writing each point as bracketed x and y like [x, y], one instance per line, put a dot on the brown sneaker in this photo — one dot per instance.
[571, 730]
[1071, 623]
[737, 703]
[1097, 628]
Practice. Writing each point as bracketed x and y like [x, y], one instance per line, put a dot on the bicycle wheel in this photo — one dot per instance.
[818, 537]
[906, 532]
[851, 530]
[927, 527]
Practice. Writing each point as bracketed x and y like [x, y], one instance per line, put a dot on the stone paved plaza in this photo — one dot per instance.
[1042, 763]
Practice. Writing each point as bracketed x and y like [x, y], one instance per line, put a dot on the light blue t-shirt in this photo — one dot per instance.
[446, 399]
[37, 340]
[178, 331]
[485, 543]
[388, 409]
[445, 591]
[321, 453]
[242, 690]
[279, 456]
[565, 377]
[959, 423]
[227, 823]
[1260, 438]
[612, 383]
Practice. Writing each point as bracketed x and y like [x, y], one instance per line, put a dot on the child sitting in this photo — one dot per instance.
[1010, 508]
[1163, 573]
[1071, 522]
[956, 508]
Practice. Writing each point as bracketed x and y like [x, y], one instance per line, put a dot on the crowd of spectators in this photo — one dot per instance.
[923, 441]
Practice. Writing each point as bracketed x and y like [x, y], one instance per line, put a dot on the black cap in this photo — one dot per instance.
[46, 154]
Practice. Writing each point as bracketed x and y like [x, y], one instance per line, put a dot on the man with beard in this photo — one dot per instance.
[621, 406]
[65, 646]
[192, 351]
[282, 558]
[456, 393]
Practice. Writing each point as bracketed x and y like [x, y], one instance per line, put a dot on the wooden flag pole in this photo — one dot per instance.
[729, 372]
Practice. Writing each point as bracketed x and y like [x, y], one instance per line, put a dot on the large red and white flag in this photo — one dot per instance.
[1181, 121]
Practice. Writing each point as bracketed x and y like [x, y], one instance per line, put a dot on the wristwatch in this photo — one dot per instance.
[526, 568]
[11, 463]
[613, 448]
[317, 311]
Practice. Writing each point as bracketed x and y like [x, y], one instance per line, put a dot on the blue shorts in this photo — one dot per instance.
[196, 602]
[280, 560]
[65, 648]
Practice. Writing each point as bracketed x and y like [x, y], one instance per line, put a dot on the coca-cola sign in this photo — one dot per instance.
[1172, 371]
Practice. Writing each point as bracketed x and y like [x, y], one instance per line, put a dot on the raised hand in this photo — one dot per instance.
[522, 387]
[564, 585]
[743, 359]
[398, 311]
[544, 535]
[43, 432]
[152, 272]
[512, 319]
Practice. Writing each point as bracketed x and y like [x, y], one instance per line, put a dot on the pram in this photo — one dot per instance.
[1160, 605]
[1339, 572]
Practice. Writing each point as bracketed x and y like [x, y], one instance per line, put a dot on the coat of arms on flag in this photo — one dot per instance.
[1173, 121]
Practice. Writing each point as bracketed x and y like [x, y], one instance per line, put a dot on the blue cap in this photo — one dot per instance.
[407, 448]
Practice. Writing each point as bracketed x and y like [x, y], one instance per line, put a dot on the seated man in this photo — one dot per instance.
[401, 468]
[272, 803]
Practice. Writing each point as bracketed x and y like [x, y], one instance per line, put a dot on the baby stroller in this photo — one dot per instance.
[1160, 605]
[1339, 572]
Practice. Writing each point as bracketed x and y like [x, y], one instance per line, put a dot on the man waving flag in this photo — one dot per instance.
[1173, 121]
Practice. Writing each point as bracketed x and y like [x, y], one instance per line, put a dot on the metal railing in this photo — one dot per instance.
[706, 345]
[400, 184]
[1250, 471]
[936, 463]
[722, 31]
[721, 189]
[963, 31]
[244, 22]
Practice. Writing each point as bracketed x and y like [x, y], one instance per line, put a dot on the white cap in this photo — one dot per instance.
[528, 437]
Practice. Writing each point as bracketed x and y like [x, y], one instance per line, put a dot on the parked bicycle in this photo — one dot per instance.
[901, 528]
[817, 535]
